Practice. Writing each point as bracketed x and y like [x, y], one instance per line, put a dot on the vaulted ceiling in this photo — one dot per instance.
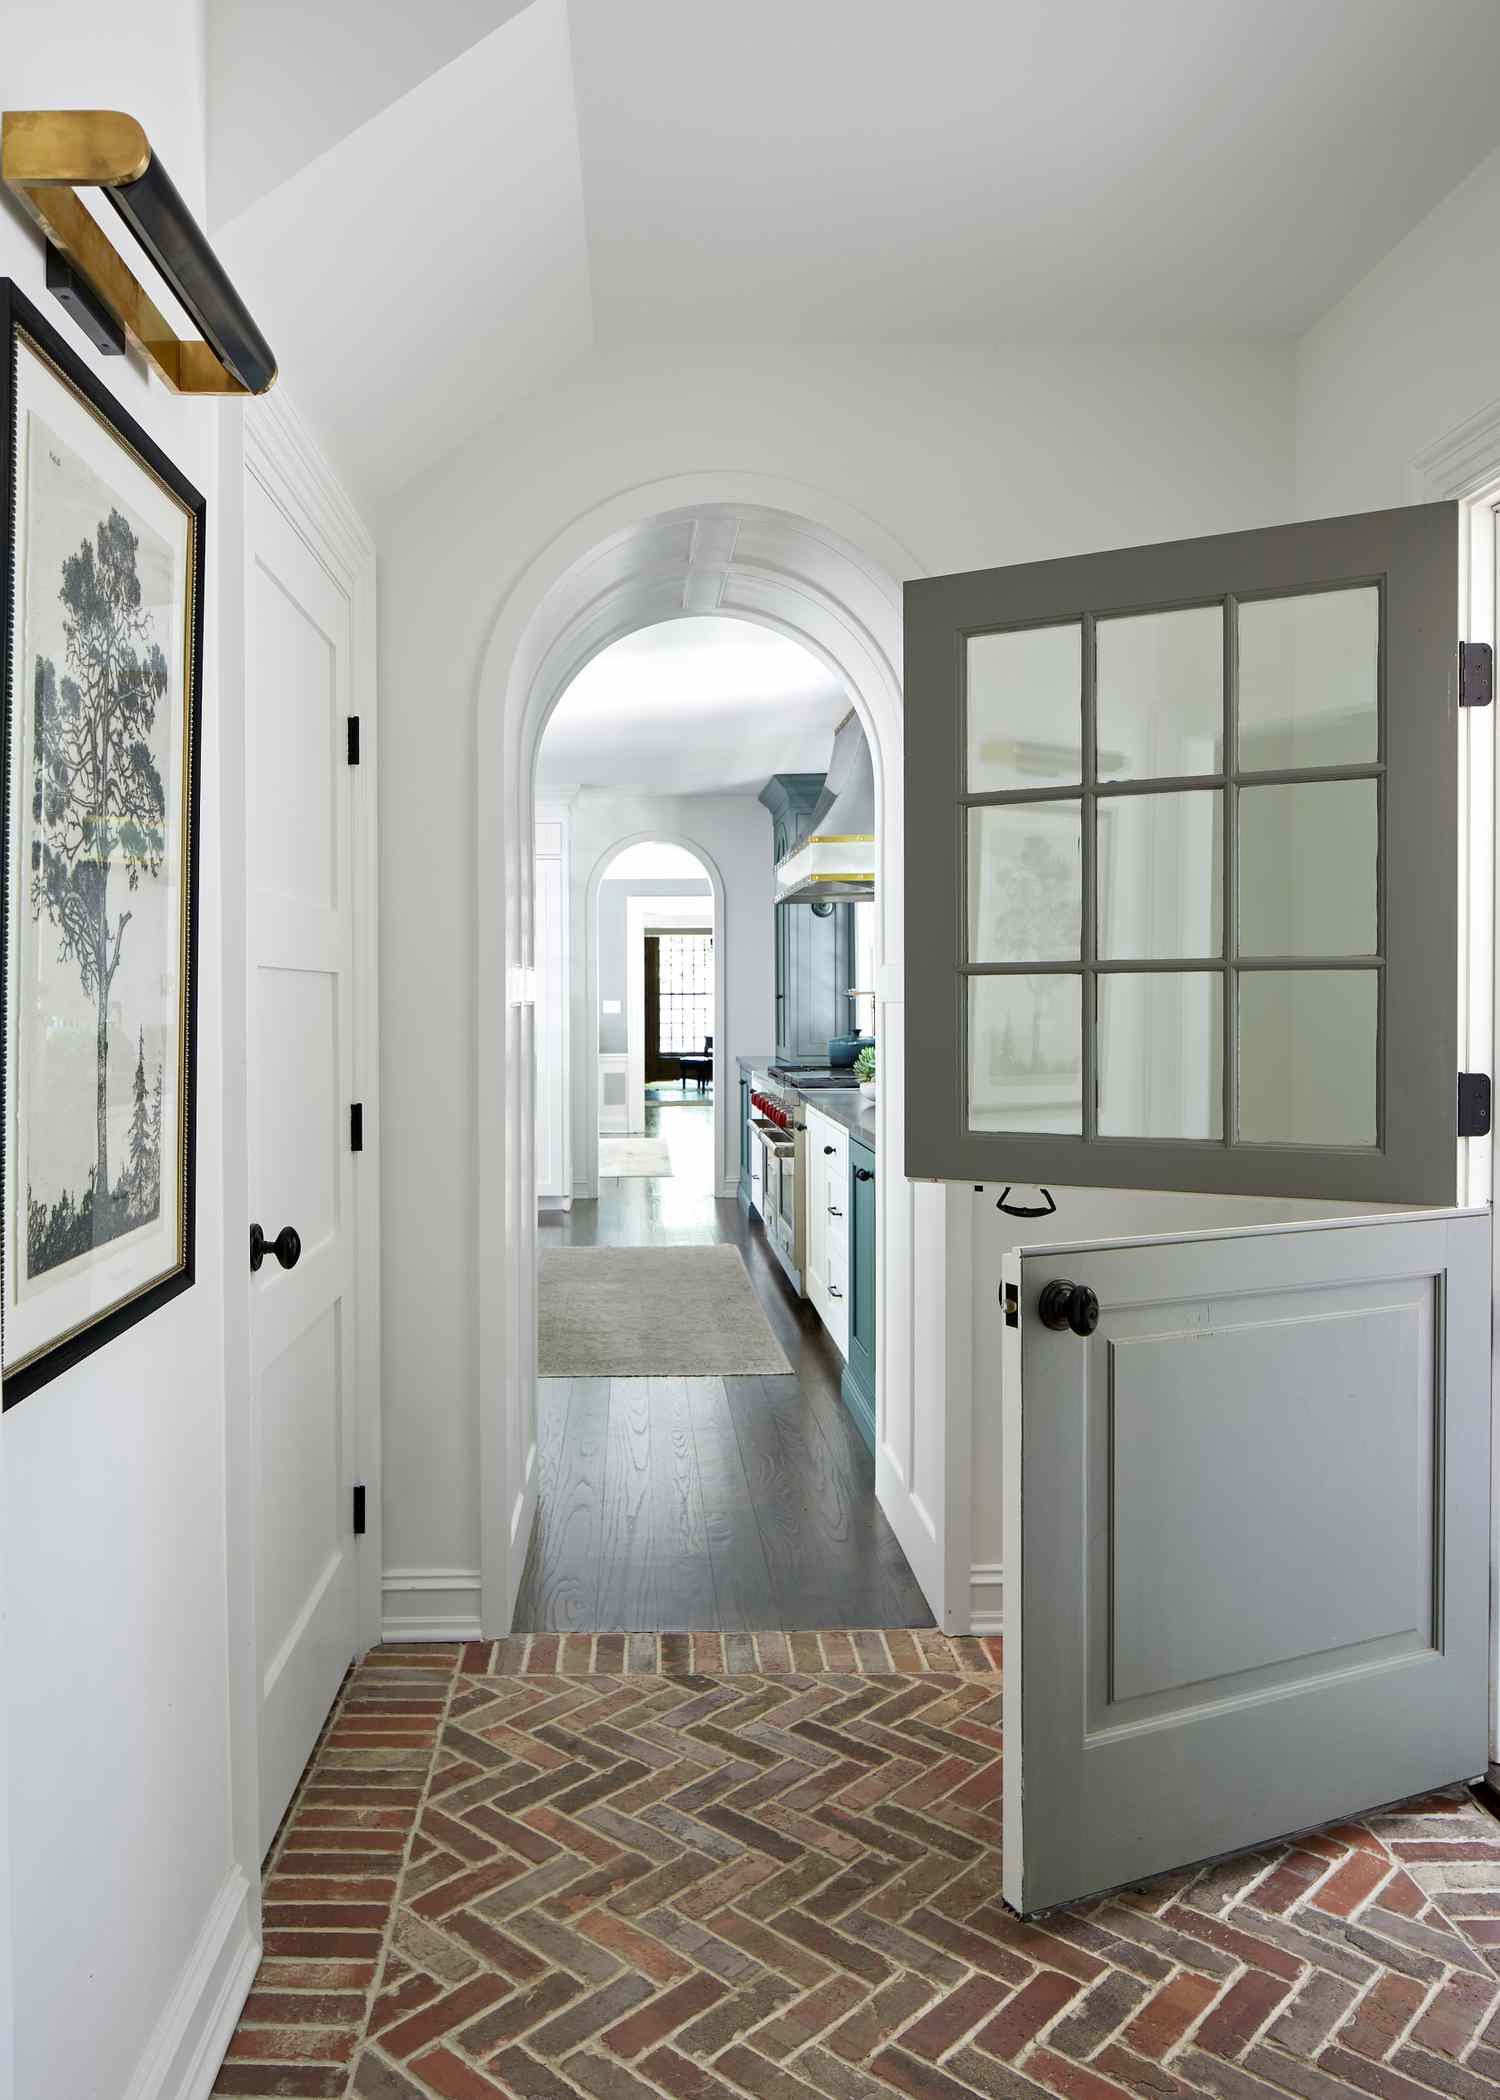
[434, 209]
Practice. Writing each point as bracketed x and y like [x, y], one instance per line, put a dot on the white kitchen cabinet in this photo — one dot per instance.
[826, 1271]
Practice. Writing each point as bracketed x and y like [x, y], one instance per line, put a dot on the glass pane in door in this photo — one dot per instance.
[1161, 1054]
[1159, 876]
[1159, 708]
[1306, 868]
[1026, 1052]
[1309, 686]
[1025, 882]
[1025, 709]
[1307, 1057]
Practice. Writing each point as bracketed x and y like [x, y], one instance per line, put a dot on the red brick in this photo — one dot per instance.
[1164, 2019]
[1244, 2007]
[1027, 2013]
[1353, 1884]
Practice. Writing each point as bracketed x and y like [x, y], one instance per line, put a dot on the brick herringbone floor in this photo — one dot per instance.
[687, 1870]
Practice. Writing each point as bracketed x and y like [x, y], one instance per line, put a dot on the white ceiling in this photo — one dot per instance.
[287, 80]
[703, 705]
[974, 170]
[432, 266]
[438, 213]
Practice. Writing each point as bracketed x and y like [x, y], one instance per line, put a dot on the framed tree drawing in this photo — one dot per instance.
[102, 642]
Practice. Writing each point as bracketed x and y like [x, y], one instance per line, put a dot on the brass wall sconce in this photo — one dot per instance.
[46, 156]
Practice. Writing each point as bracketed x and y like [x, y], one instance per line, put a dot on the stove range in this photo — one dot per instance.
[813, 1076]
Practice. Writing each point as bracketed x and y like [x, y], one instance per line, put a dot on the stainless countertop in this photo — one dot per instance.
[846, 1106]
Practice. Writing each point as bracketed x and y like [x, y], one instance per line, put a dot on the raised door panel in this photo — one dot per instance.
[1253, 1514]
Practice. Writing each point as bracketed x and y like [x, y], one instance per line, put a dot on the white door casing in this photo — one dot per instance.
[554, 1172]
[300, 1037]
[786, 555]
[645, 915]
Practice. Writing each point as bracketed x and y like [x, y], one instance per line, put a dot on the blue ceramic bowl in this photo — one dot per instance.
[843, 1050]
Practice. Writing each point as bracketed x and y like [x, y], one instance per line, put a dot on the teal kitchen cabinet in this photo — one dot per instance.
[814, 942]
[859, 1370]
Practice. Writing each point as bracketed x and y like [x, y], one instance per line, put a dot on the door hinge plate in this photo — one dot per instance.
[359, 1511]
[354, 740]
[356, 1126]
[1476, 674]
[1012, 1305]
[1473, 1104]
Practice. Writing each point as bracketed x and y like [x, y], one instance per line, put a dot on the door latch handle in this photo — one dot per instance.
[834, 1211]
[834, 1291]
[1068, 1305]
[287, 1247]
[1027, 1210]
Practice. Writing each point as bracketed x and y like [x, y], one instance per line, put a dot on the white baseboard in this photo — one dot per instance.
[430, 1604]
[987, 1598]
[182, 2058]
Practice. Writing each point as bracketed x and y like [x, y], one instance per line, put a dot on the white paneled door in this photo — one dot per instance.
[300, 1056]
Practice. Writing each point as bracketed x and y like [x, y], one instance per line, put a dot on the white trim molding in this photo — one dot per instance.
[445, 1604]
[182, 2058]
[1459, 464]
[987, 1598]
[613, 1116]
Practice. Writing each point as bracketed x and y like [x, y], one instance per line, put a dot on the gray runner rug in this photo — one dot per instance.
[652, 1312]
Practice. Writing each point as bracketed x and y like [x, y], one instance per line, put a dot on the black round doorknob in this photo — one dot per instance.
[287, 1246]
[1063, 1305]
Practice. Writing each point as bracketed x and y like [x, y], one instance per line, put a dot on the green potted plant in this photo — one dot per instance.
[864, 1069]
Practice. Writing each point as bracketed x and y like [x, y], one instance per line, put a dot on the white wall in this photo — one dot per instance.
[614, 947]
[1404, 359]
[116, 1681]
[965, 457]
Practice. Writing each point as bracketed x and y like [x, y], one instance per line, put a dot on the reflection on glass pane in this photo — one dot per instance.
[1025, 709]
[1160, 869]
[1160, 694]
[1306, 868]
[1307, 1054]
[1308, 679]
[1161, 1054]
[1025, 882]
[1026, 1053]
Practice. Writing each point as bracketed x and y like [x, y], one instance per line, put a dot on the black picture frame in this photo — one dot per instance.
[22, 325]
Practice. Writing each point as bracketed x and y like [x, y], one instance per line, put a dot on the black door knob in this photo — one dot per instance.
[287, 1247]
[1063, 1304]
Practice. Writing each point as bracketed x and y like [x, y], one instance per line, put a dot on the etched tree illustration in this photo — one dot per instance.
[1037, 903]
[99, 803]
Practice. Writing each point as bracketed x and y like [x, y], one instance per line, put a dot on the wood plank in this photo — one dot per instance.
[897, 1599]
[565, 1593]
[627, 1597]
[745, 1595]
[809, 1585]
[676, 1496]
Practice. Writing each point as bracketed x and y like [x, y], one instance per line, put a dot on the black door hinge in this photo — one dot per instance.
[1012, 1305]
[359, 1511]
[1473, 1104]
[354, 740]
[356, 1126]
[1476, 674]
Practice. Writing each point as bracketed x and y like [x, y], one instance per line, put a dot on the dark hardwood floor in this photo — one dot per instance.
[694, 1504]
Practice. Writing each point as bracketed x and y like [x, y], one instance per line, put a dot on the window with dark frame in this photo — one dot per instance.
[1145, 957]
[685, 992]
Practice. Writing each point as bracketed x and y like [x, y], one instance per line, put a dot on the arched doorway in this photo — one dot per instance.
[602, 870]
[825, 578]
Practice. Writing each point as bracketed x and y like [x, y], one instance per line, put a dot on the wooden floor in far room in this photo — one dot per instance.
[706, 1504]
